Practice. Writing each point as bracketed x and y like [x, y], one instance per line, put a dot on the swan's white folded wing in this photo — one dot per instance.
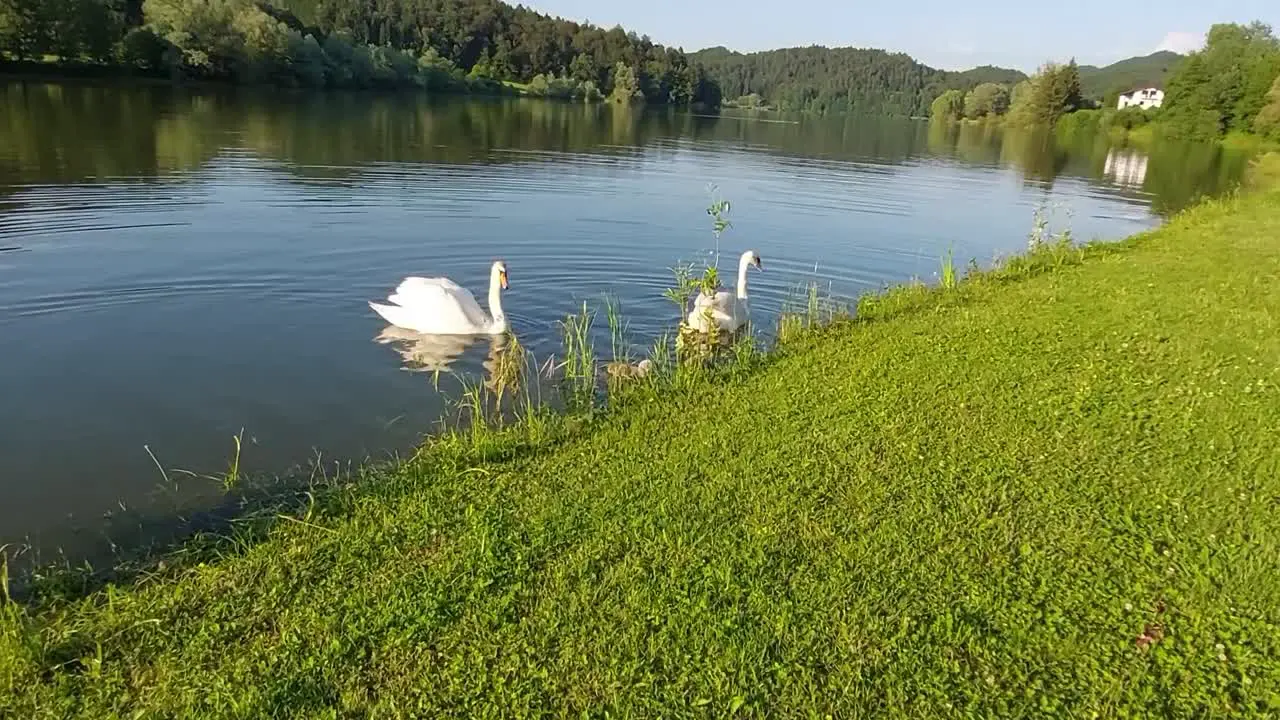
[722, 300]
[440, 294]
[702, 320]
[413, 284]
[726, 311]
[433, 305]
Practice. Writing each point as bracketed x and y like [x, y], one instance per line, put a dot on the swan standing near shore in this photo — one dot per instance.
[442, 307]
[728, 311]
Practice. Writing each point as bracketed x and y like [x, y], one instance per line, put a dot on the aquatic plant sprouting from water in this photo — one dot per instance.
[1043, 242]
[660, 354]
[579, 359]
[801, 310]
[808, 307]
[618, 327]
[798, 313]
[949, 269]
[718, 208]
[508, 366]
[710, 283]
[1041, 231]
[5, 598]
[232, 476]
[685, 286]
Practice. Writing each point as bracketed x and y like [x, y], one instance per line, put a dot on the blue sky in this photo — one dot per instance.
[949, 35]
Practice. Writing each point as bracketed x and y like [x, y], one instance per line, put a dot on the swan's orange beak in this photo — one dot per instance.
[502, 278]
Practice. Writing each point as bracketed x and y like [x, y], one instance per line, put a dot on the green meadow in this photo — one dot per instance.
[1051, 488]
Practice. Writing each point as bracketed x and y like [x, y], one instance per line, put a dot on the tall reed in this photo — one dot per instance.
[619, 345]
[579, 359]
[949, 269]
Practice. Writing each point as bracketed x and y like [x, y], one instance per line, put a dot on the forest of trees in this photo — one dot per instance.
[1231, 85]
[438, 44]
[1053, 93]
[1039, 100]
[821, 79]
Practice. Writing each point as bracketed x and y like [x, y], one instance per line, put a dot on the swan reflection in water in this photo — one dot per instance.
[423, 352]
[431, 353]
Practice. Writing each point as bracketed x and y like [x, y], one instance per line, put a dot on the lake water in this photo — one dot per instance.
[178, 265]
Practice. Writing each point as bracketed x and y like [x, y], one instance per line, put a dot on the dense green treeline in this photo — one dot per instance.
[1232, 85]
[518, 44]
[486, 45]
[437, 44]
[1054, 95]
[1229, 86]
[69, 29]
[1039, 100]
[820, 79]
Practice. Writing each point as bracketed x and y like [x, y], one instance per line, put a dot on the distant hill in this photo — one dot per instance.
[985, 74]
[1146, 71]
[846, 79]
[822, 79]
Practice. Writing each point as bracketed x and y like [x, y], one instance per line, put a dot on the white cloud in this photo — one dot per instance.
[1181, 42]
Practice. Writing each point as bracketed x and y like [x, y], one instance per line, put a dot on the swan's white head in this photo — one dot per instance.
[754, 258]
[499, 271]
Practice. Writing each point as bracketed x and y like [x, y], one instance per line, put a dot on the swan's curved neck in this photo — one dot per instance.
[743, 264]
[495, 302]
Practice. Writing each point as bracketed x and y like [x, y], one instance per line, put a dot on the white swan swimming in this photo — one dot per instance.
[728, 311]
[440, 306]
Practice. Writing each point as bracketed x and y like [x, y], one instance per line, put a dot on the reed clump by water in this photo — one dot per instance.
[1046, 489]
[806, 308]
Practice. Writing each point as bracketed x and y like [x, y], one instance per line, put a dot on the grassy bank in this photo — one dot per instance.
[1048, 490]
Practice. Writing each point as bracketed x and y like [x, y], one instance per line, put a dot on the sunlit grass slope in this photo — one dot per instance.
[1046, 492]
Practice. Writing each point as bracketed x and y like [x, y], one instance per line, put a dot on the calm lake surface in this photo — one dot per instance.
[178, 265]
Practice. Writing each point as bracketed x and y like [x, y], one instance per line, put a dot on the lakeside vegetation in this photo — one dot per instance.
[1047, 487]
[827, 80]
[441, 45]
[1228, 90]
